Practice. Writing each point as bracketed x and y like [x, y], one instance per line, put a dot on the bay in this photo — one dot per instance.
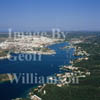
[48, 65]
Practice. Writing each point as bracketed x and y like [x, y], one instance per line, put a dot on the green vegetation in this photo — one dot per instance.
[89, 87]
[3, 53]
[70, 93]
[92, 46]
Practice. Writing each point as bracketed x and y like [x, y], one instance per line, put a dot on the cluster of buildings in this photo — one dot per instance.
[76, 41]
[27, 43]
[71, 76]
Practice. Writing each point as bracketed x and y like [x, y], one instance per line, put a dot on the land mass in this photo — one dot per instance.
[27, 44]
[88, 66]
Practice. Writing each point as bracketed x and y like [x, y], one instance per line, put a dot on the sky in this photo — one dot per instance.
[35, 15]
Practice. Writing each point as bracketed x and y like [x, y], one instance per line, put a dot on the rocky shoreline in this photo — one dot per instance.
[6, 77]
[5, 57]
[70, 71]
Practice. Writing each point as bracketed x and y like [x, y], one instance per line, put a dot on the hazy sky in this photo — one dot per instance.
[27, 15]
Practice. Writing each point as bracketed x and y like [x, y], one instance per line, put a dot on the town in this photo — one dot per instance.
[29, 45]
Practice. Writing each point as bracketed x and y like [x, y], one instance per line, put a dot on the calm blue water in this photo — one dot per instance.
[47, 66]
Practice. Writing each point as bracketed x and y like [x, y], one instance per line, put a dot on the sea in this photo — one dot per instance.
[49, 65]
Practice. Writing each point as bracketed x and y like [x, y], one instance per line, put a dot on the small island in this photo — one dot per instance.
[5, 78]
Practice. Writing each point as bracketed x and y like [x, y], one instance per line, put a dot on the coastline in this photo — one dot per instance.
[50, 52]
[5, 78]
[64, 75]
[39, 87]
[52, 56]
[5, 57]
[57, 84]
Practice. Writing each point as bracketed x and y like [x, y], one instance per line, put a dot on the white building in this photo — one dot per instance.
[35, 98]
